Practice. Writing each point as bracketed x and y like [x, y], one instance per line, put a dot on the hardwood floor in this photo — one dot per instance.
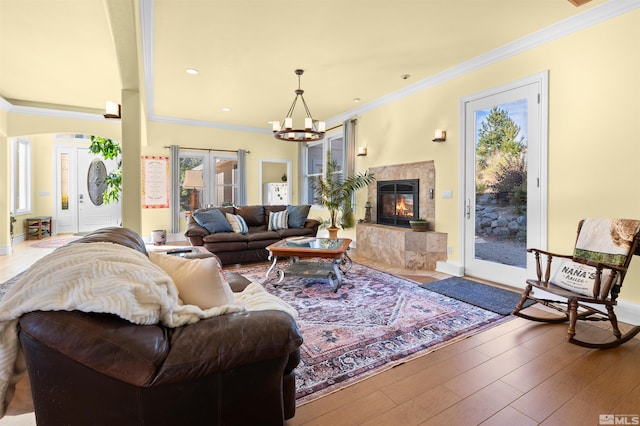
[517, 373]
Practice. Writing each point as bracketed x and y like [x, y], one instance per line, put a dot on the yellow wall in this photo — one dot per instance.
[39, 129]
[260, 146]
[594, 134]
[594, 129]
[5, 239]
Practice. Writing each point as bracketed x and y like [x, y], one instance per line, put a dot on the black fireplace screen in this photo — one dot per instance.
[398, 202]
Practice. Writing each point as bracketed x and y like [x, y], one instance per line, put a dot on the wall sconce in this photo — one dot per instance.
[112, 110]
[362, 151]
[440, 135]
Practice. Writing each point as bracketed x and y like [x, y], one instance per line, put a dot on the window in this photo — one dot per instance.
[220, 176]
[20, 176]
[316, 158]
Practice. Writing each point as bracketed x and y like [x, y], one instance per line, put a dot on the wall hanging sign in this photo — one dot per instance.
[155, 182]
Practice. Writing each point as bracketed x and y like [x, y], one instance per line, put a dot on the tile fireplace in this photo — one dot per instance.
[419, 177]
[401, 192]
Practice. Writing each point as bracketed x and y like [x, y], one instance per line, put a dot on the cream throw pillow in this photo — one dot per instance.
[578, 277]
[200, 282]
[237, 223]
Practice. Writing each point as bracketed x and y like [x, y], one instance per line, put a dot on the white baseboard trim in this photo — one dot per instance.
[450, 268]
[5, 250]
[171, 238]
[628, 312]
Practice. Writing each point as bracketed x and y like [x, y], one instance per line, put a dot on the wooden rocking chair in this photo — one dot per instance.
[588, 281]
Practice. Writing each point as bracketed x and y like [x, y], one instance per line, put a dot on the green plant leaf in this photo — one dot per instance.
[109, 150]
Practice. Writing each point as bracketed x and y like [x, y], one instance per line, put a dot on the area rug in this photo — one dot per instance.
[487, 297]
[375, 321]
[5, 286]
[53, 242]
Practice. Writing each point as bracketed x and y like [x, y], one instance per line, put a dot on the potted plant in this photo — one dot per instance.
[419, 225]
[109, 150]
[334, 192]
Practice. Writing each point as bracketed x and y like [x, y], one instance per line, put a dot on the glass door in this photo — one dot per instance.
[220, 176]
[503, 199]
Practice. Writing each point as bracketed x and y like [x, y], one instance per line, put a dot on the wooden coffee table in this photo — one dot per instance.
[296, 248]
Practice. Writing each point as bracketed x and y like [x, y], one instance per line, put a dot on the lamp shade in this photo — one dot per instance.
[193, 179]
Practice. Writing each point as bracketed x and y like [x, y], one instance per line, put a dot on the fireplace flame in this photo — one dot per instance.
[402, 209]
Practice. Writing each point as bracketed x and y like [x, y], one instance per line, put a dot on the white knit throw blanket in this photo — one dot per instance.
[96, 277]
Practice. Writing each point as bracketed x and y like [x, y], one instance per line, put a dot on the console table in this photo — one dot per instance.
[37, 227]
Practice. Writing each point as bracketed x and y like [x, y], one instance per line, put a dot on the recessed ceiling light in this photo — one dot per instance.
[192, 71]
[356, 100]
[225, 109]
[405, 76]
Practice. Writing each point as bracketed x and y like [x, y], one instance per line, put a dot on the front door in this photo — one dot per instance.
[93, 212]
[505, 163]
[79, 180]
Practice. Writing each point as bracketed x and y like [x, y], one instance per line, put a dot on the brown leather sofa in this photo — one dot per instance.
[97, 369]
[232, 247]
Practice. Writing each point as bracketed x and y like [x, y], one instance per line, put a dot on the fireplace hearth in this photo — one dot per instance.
[398, 202]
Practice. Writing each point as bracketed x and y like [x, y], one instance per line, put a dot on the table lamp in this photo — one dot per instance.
[193, 180]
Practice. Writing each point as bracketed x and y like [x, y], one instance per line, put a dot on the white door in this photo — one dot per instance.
[93, 213]
[79, 185]
[505, 180]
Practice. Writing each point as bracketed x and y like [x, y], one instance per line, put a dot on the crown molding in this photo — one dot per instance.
[209, 124]
[553, 32]
[4, 104]
[48, 112]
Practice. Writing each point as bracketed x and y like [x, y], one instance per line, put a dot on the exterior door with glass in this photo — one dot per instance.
[505, 171]
[79, 187]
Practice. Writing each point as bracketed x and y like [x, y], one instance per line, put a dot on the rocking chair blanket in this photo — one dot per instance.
[600, 240]
[590, 279]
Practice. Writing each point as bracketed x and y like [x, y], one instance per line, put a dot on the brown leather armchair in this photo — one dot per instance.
[98, 369]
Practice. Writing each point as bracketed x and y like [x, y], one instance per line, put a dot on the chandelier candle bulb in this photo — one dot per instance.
[288, 123]
[276, 126]
[308, 124]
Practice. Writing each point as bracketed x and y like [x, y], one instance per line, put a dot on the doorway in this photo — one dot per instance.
[274, 181]
[505, 163]
[79, 205]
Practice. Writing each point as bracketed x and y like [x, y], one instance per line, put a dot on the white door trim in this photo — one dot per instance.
[542, 79]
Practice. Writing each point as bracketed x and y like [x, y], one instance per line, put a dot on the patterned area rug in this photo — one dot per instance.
[5, 286]
[374, 322]
[53, 242]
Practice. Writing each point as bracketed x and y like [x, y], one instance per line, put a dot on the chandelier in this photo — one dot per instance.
[313, 129]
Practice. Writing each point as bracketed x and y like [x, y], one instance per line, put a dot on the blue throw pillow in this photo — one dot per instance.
[298, 215]
[278, 220]
[213, 221]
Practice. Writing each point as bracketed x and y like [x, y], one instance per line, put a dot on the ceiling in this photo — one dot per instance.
[65, 54]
